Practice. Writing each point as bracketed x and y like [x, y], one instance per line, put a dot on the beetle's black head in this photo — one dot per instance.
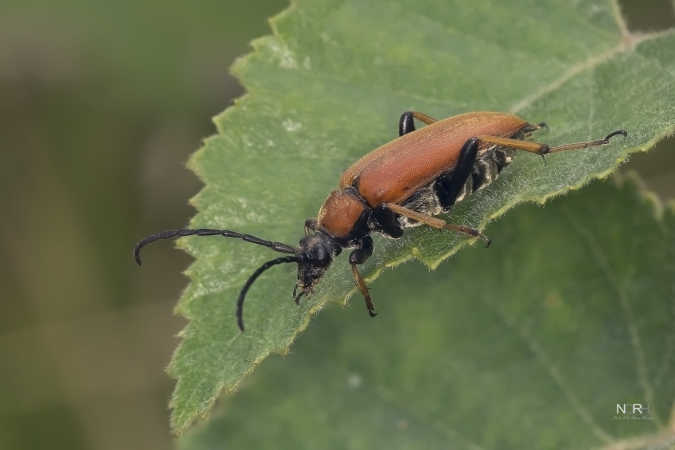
[315, 254]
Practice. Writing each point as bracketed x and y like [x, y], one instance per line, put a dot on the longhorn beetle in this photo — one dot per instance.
[401, 184]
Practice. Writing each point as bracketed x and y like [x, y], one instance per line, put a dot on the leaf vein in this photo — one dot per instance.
[602, 263]
[540, 354]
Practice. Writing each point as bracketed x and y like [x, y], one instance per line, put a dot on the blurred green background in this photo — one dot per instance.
[101, 105]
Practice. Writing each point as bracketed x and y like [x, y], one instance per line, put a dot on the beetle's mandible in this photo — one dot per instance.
[404, 183]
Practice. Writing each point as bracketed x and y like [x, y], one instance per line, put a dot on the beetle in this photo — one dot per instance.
[404, 183]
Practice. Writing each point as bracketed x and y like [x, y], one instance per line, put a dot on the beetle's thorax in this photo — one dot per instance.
[341, 213]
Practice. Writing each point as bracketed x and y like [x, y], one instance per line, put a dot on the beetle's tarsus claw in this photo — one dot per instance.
[137, 255]
[372, 313]
[296, 298]
[487, 240]
[623, 133]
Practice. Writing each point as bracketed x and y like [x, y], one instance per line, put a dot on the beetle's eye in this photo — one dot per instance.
[319, 256]
[319, 253]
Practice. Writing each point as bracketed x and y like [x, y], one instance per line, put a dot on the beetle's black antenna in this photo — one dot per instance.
[172, 234]
[251, 280]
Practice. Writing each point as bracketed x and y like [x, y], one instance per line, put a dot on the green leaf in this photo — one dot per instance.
[329, 86]
[528, 344]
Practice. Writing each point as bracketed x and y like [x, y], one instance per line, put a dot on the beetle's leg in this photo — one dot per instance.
[449, 186]
[435, 222]
[579, 145]
[406, 124]
[310, 226]
[543, 149]
[386, 222]
[359, 256]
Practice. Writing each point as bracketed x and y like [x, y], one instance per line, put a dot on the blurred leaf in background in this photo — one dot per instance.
[329, 86]
[530, 344]
[101, 104]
